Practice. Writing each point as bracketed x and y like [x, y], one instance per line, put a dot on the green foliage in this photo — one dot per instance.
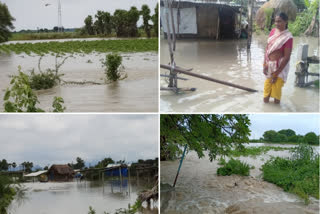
[57, 104]
[91, 210]
[79, 164]
[155, 19]
[268, 21]
[104, 163]
[112, 64]
[103, 23]
[288, 135]
[270, 136]
[287, 132]
[4, 165]
[100, 46]
[21, 98]
[44, 80]
[7, 193]
[301, 23]
[27, 166]
[234, 167]
[222, 161]
[47, 79]
[299, 175]
[311, 138]
[5, 23]
[145, 12]
[216, 134]
[303, 20]
[88, 25]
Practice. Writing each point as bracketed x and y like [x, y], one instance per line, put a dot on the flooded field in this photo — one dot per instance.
[76, 197]
[137, 93]
[230, 61]
[200, 190]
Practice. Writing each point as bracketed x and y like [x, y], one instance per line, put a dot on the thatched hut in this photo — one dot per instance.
[286, 6]
[60, 173]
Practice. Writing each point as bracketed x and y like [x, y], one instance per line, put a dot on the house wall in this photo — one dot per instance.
[207, 22]
[188, 20]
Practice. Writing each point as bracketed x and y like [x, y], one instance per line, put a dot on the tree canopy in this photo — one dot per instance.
[215, 134]
[289, 136]
[5, 23]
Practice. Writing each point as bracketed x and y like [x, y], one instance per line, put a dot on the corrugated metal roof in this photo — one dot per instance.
[35, 174]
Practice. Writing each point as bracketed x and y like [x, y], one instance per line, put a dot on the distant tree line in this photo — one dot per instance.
[288, 136]
[5, 166]
[27, 166]
[122, 22]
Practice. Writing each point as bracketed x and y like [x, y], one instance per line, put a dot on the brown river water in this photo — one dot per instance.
[76, 197]
[200, 190]
[137, 93]
[229, 60]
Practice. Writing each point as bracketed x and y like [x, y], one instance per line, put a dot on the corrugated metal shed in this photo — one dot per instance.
[35, 174]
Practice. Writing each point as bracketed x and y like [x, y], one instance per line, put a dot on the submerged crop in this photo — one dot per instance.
[100, 46]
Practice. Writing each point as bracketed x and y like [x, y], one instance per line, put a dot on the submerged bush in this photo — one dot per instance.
[21, 98]
[44, 80]
[299, 175]
[234, 167]
[113, 67]
[49, 78]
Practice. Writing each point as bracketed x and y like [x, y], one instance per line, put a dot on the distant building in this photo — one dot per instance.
[37, 176]
[60, 173]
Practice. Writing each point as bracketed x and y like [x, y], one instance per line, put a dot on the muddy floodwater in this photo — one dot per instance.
[76, 197]
[137, 93]
[200, 190]
[228, 60]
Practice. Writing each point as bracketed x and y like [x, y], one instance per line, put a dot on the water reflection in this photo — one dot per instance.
[76, 197]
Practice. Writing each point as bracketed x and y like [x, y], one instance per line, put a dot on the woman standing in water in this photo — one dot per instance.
[277, 57]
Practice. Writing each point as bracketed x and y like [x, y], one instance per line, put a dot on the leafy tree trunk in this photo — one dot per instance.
[309, 30]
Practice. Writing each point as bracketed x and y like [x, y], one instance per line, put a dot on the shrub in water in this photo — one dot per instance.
[21, 98]
[113, 63]
[44, 80]
[299, 175]
[234, 167]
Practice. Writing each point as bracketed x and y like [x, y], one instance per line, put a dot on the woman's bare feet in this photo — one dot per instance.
[276, 101]
[266, 99]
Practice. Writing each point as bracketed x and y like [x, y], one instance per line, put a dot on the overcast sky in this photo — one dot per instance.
[30, 14]
[300, 123]
[48, 139]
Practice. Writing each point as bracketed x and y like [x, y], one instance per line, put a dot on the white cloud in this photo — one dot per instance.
[57, 138]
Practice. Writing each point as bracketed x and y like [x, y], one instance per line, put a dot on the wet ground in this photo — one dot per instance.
[229, 60]
[137, 93]
[200, 190]
[76, 197]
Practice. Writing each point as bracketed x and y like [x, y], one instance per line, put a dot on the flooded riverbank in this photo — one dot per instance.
[200, 190]
[137, 93]
[229, 60]
[76, 197]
